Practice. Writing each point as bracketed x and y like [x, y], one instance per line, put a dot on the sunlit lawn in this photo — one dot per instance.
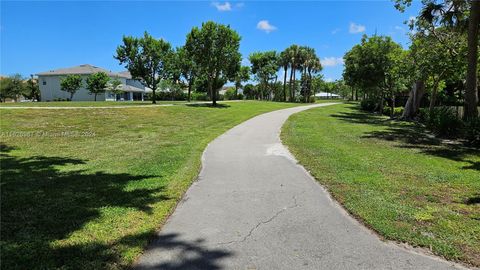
[85, 103]
[87, 188]
[402, 182]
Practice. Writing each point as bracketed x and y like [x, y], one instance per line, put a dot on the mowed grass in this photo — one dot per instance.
[86, 189]
[401, 182]
[85, 103]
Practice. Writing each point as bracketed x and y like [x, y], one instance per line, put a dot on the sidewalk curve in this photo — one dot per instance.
[254, 207]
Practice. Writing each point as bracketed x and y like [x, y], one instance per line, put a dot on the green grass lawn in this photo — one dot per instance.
[88, 188]
[401, 182]
[85, 103]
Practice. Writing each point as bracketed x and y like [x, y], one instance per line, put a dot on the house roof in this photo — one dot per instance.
[325, 94]
[129, 88]
[125, 74]
[83, 69]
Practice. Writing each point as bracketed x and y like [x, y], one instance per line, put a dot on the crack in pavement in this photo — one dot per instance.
[295, 204]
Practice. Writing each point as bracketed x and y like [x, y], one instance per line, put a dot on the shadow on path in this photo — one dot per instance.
[191, 255]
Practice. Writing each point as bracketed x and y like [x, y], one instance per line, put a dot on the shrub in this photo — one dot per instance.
[171, 95]
[443, 121]
[230, 94]
[368, 105]
[311, 99]
[240, 96]
[397, 112]
[200, 96]
[299, 98]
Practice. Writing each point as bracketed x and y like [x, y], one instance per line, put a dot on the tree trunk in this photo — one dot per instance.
[189, 90]
[95, 99]
[154, 101]
[433, 98]
[213, 93]
[284, 83]
[356, 94]
[71, 96]
[392, 110]
[414, 98]
[471, 94]
[290, 82]
[353, 90]
[294, 84]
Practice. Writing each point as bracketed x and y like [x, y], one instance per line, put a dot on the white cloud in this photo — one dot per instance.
[336, 30]
[222, 7]
[239, 5]
[331, 61]
[356, 28]
[264, 25]
[329, 80]
[399, 28]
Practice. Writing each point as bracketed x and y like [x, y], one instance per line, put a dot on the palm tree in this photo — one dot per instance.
[284, 61]
[293, 53]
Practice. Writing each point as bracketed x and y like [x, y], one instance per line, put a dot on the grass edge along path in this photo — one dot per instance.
[88, 188]
[399, 181]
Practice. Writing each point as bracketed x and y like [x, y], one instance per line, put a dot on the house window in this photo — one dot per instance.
[44, 82]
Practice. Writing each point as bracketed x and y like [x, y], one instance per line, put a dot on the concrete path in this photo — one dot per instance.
[254, 207]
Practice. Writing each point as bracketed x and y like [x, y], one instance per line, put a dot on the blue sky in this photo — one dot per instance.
[40, 36]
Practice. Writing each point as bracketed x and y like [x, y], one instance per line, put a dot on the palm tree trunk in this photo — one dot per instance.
[285, 69]
[294, 83]
[291, 78]
[471, 94]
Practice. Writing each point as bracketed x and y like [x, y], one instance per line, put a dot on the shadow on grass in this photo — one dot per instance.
[42, 204]
[189, 254]
[208, 105]
[475, 199]
[413, 136]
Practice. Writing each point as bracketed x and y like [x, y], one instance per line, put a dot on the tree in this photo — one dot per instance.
[294, 54]
[32, 90]
[146, 59]
[284, 62]
[264, 67]
[243, 75]
[115, 86]
[456, 15]
[215, 53]
[97, 83]
[471, 91]
[370, 65]
[187, 68]
[310, 65]
[71, 84]
[12, 87]
[249, 91]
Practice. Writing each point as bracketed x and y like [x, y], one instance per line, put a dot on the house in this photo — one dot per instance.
[325, 95]
[50, 90]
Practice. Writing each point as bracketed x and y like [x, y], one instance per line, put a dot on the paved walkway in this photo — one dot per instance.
[253, 207]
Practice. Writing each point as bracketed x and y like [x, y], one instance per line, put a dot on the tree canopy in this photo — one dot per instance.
[214, 50]
[146, 59]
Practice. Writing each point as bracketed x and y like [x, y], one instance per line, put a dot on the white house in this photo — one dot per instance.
[49, 82]
[325, 95]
